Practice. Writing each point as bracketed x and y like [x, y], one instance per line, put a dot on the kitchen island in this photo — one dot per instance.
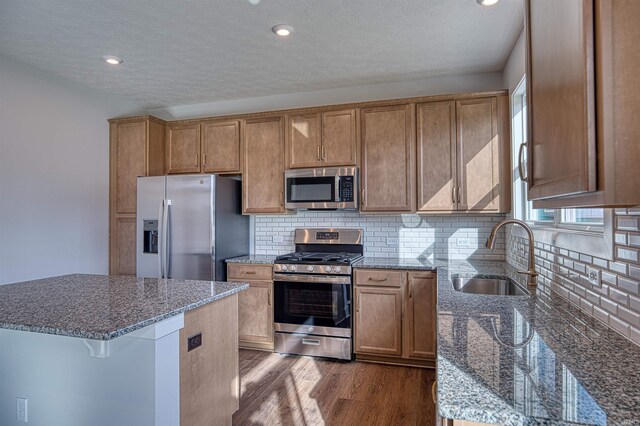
[529, 360]
[104, 350]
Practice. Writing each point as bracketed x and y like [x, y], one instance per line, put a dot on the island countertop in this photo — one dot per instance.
[529, 360]
[100, 307]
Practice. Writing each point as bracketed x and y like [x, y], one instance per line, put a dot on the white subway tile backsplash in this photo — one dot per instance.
[407, 235]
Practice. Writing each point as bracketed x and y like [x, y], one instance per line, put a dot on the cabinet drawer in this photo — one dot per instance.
[239, 271]
[382, 278]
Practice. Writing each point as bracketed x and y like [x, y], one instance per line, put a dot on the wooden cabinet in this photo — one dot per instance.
[209, 374]
[183, 148]
[463, 155]
[221, 146]
[582, 78]
[255, 305]
[378, 320]
[263, 170]
[395, 316]
[387, 175]
[322, 139]
[136, 148]
[419, 327]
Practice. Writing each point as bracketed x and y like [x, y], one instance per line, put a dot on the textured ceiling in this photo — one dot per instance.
[189, 51]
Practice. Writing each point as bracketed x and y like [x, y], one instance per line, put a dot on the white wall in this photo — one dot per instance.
[54, 140]
[404, 89]
[515, 68]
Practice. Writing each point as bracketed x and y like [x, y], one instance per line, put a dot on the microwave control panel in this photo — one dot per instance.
[346, 188]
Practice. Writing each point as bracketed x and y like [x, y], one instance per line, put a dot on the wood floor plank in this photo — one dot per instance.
[305, 391]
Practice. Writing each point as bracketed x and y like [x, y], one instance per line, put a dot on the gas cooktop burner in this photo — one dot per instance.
[319, 257]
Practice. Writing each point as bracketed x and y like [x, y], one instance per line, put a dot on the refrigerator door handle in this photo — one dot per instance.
[160, 239]
[165, 232]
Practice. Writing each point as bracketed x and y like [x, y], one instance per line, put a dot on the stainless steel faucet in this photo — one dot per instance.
[532, 281]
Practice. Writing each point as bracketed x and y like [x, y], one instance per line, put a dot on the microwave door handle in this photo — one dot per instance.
[338, 190]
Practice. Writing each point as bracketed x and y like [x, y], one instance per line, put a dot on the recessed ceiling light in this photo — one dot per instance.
[282, 30]
[487, 2]
[112, 60]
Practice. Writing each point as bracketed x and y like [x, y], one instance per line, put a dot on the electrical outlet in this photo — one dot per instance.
[22, 414]
[392, 241]
[594, 276]
[278, 238]
[463, 242]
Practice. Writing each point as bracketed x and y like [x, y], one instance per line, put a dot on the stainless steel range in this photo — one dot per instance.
[313, 292]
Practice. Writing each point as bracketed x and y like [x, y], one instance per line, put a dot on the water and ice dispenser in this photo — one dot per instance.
[150, 237]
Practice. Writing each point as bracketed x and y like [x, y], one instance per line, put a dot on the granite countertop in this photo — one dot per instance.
[102, 307]
[394, 263]
[257, 259]
[529, 360]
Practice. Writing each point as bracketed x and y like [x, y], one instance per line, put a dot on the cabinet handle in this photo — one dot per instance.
[410, 288]
[453, 194]
[434, 391]
[364, 200]
[197, 160]
[458, 194]
[269, 297]
[324, 154]
[319, 153]
[357, 303]
[204, 160]
[249, 272]
[520, 160]
[379, 280]
[312, 342]
[281, 199]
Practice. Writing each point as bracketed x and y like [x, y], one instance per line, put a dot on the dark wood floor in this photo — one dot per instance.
[292, 390]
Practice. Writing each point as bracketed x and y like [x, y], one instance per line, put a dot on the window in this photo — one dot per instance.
[588, 223]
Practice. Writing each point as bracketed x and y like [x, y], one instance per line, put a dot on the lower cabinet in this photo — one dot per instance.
[255, 305]
[395, 316]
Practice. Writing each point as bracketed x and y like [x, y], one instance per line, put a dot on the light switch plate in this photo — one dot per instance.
[278, 238]
[463, 242]
[594, 276]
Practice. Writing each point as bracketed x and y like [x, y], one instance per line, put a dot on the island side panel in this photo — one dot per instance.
[209, 374]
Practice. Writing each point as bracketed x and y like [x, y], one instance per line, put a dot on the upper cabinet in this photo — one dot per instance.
[263, 176]
[183, 148]
[582, 74]
[388, 156]
[322, 139]
[221, 146]
[463, 155]
[136, 148]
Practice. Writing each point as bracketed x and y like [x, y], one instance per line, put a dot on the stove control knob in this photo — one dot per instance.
[337, 269]
[293, 268]
[310, 268]
[328, 268]
[285, 267]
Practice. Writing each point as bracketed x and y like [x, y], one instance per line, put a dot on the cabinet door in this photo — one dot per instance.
[128, 158]
[123, 246]
[303, 140]
[420, 316]
[263, 176]
[339, 138]
[183, 148]
[378, 323]
[255, 312]
[437, 156]
[560, 98]
[221, 147]
[387, 159]
[478, 154]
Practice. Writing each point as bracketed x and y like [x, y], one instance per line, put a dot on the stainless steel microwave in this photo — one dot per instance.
[334, 188]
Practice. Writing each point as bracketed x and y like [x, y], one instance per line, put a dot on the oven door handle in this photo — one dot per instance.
[316, 279]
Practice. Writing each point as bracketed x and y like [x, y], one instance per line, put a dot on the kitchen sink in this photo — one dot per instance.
[491, 286]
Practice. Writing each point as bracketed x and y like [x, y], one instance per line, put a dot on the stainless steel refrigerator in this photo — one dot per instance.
[187, 225]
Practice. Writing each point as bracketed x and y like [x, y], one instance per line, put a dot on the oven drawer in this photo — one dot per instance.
[238, 271]
[304, 344]
[379, 277]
